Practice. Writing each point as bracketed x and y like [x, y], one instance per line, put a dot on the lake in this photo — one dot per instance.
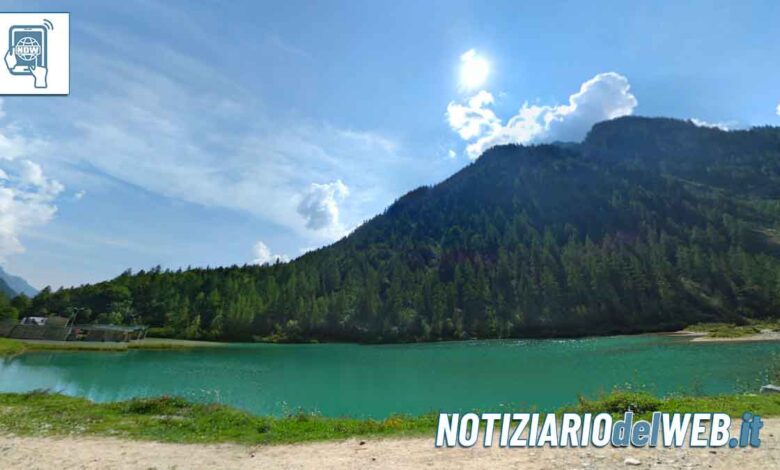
[375, 381]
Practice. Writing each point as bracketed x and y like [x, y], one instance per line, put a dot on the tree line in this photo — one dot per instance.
[527, 241]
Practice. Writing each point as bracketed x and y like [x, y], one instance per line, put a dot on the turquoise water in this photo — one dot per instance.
[361, 381]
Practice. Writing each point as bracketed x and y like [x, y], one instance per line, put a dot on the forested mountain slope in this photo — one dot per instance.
[649, 224]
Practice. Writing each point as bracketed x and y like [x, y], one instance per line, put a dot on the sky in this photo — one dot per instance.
[215, 133]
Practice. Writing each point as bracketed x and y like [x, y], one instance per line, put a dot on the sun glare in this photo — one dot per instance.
[474, 70]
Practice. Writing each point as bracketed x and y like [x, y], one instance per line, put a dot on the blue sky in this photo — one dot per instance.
[218, 133]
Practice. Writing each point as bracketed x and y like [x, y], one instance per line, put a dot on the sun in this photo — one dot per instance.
[474, 70]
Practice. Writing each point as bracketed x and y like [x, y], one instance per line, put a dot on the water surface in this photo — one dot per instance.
[362, 381]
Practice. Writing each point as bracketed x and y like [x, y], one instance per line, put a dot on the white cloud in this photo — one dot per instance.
[452, 154]
[778, 109]
[262, 255]
[78, 195]
[603, 97]
[724, 126]
[320, 206]
[473, 119]
[26, 201]
[27, 196]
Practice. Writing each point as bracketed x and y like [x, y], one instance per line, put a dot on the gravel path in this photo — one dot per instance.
[31, 453]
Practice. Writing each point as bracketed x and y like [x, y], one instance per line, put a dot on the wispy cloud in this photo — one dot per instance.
[181, 129]
[285, 46]
[27, 196]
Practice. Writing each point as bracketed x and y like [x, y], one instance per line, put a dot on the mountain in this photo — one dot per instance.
[6, 290]
[650, 224]
[16, 284]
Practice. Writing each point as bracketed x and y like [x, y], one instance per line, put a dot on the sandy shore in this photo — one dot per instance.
[703, 337]
[31, 453]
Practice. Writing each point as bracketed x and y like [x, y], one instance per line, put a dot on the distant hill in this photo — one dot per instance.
[6, 289]
[650, 224]
[16, 284]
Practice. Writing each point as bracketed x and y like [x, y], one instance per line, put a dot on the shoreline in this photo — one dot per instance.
[706, 337]
[146, 343]
[12, 347]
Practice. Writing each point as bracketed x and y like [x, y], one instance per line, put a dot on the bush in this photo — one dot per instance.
[161, 332]
[155, 406]
[618, 402]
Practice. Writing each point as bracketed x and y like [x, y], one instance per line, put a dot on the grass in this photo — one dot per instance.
[169, 419]
[11, 347]
[644, 404]
[730, 330]
[176, 420]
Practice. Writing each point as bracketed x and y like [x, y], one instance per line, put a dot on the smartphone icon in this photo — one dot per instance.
[29, 47]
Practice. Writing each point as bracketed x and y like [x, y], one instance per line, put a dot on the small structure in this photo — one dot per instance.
[52, 328]
[56, 328]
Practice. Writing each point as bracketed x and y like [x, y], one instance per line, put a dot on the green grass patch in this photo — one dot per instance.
[170, 419]
[644, 404]
[176, 420]
[10, 347]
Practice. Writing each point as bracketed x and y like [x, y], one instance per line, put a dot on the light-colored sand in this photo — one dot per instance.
[703, 337]
[419, 453]
[766, 335]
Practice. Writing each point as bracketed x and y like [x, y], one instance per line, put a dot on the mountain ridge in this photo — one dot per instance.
[16, 284]
[649, 224]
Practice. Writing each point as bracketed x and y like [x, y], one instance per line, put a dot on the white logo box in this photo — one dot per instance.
[35, 48]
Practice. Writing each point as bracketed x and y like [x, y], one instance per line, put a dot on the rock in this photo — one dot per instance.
[632, 461]
[770, 388]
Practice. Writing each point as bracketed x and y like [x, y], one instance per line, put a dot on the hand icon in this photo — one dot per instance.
[10, 59]
[40, 74]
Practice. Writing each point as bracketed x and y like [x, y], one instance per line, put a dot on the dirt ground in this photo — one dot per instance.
[32, 453]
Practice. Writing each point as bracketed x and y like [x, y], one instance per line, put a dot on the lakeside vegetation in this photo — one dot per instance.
[10, 347]
[170, 419]
[644, 404]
